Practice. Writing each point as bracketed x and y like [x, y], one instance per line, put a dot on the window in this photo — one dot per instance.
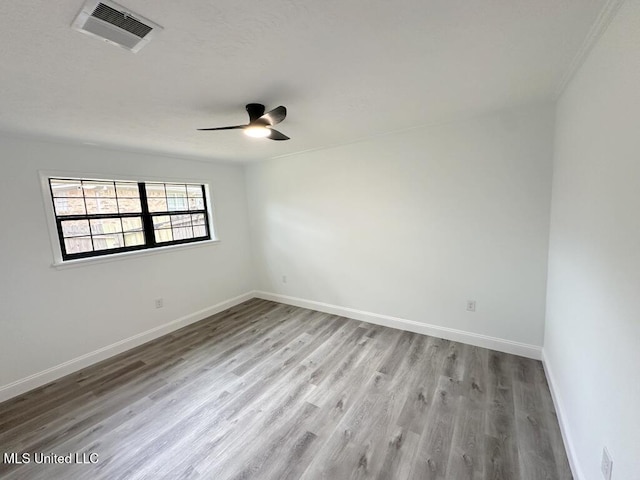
[102, 217]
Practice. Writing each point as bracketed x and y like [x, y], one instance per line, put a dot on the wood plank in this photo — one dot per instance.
[466, 460]
[501, 450]
[433, 452]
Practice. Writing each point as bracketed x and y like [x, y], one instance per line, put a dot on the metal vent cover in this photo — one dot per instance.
[115, 24]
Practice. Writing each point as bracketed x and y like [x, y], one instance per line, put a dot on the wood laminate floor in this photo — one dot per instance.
[268, 391]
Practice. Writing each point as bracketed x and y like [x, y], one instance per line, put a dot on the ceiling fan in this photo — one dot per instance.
[260, 123]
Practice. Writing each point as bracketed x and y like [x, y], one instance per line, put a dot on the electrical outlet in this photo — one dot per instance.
[607, 464]
[284, 279]
[471, 305]
[159, 303]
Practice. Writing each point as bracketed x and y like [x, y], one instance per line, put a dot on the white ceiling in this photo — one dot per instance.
[344, 69]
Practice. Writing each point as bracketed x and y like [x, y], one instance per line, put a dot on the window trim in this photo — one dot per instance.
[119, 254]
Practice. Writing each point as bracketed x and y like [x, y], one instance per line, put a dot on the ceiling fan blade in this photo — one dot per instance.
[273, 117]
[223, 128]
[255, 111]
[276, 135]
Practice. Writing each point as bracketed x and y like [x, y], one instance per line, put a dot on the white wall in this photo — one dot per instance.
[49, 316]
[592, 340]
[413, 224]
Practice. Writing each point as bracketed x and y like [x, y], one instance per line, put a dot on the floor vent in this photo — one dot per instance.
[114, 24]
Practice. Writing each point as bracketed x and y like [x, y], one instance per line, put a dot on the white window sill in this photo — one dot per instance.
[115, 257]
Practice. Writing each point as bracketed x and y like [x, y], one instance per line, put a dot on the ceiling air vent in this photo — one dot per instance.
[113, 23]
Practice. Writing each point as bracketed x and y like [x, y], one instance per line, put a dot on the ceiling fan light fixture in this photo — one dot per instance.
[260, 124]
[257, 131]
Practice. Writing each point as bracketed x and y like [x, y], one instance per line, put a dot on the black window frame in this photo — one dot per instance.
[145, 214]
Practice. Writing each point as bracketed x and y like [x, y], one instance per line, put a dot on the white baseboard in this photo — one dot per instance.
[41, 378]
[562, 420]
[493, 343]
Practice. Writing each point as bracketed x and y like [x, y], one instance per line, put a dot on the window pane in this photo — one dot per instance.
[194, 191]
[106, 225]
[180, 221]
[197, 218]
[157, 204]
[75, 228]
[182, 233]
[65, 188]
[69, 206]
[129, 205]
[156, 197]
[130, 224]
[155, 190]
[176, 203]
[199, 231]
[176, 197]
[164, 235]
[78, 245]
[133, 238]
[161, 221]
[129, 190]
[196, 204]
[101, 205]
[174, 190]
[107, 242]
[98, 189]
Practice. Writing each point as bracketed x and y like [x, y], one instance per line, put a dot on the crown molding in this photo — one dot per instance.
[600, 25]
